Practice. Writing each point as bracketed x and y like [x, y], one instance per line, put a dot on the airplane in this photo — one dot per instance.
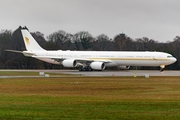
[94, 60]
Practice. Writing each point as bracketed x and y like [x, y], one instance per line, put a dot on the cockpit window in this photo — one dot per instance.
[169, 56]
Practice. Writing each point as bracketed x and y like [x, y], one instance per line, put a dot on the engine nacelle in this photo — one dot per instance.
[97, 65]
[123, 67]
[69, 63]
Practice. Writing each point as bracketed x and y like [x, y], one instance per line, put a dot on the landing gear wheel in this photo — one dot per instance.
[87, 68]
[161, 69]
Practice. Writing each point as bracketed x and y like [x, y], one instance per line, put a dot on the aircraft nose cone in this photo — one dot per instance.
[174, 60]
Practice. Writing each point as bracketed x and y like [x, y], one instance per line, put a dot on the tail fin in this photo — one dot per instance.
[29, 41]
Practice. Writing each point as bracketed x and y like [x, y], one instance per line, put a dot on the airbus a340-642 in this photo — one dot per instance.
[94, 60]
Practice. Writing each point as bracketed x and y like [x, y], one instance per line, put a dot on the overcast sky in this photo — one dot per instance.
[155, 19]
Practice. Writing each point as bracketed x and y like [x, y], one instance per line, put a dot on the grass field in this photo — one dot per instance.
[89, 98]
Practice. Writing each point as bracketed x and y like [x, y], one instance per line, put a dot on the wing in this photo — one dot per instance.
[79, 60]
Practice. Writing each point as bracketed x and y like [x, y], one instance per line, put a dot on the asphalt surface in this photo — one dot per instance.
[145, 73]
[125, 73]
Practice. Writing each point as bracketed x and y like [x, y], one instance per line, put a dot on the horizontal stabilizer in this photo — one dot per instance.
[16, 51]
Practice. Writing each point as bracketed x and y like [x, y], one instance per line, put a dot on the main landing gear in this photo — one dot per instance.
[86, 68]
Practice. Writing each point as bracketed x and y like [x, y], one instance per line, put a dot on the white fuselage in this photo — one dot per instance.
[94, 60]
[110, 58]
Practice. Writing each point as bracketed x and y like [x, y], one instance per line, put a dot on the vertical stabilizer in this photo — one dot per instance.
[30, 42]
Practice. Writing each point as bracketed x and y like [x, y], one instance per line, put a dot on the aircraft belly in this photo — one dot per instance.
[111, 64]
[51, 61]
[138, 62]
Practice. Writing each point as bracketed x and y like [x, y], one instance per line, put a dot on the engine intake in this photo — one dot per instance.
[69, 63]
[97, 65]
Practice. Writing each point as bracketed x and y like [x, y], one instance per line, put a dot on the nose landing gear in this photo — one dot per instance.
[162, 68]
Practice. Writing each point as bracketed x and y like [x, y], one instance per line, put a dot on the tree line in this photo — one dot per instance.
[83, 40]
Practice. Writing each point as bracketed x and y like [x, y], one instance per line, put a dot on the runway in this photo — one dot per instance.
[124, 73]
[109, 73]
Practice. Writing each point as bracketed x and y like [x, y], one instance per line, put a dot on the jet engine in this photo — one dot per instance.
[123, 67]
[97, 65]
[69, 63]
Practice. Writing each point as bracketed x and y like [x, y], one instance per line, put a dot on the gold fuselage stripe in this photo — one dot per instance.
[162, 59]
